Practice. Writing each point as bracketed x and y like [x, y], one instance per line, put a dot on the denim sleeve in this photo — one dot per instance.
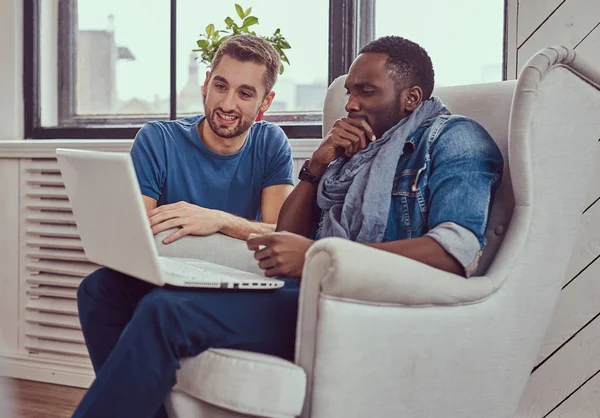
[149, 161]
[280, 165]
[466, 168]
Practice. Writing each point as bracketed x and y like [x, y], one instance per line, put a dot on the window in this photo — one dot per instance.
[463, 49]
[100, 69]
[301, 87]
[122, 57]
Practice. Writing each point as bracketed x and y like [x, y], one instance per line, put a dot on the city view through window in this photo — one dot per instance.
[123, 49]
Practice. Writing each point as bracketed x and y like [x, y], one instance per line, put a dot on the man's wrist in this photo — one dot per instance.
[307, 176]
[315, 168]
[221, 219]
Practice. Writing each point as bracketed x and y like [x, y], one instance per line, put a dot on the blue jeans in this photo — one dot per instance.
[136, 333]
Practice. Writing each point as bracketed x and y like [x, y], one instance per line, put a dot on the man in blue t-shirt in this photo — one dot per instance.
[223, 172]
[198, 176]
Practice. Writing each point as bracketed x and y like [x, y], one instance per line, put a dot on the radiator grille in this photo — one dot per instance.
[53, 264]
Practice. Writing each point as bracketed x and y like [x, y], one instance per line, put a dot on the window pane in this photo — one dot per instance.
[122, 57]
[464, 49]
[303, 84]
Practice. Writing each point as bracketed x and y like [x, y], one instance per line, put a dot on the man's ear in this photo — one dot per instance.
[205, 86]
[266, 104]
[413, 98]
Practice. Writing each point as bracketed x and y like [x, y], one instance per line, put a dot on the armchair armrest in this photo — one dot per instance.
[218, 248]
[370, 275]
[390, 314]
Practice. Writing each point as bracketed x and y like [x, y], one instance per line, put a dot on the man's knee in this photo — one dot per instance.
[102, 293]
[92, 287]
[90, 293]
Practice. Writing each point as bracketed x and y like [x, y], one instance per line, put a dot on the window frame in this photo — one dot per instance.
[351, 26]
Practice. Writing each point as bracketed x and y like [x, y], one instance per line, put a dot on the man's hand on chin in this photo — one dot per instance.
[190, 219]
[280, 254]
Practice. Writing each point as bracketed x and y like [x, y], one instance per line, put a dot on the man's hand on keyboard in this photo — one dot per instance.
[280, 254]
[191, 220]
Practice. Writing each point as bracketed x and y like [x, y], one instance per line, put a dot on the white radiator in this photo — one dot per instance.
[52, 264]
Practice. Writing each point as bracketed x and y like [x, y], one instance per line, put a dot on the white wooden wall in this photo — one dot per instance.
[566, 381]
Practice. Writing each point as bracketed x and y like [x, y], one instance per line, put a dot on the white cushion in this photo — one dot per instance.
[245, 382]
[216, 248]
[179, 404]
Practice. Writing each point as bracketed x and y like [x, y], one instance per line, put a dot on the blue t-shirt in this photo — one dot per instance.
[173, 164]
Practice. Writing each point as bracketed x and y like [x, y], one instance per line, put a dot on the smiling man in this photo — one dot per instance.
[199, 175]
[223, 172]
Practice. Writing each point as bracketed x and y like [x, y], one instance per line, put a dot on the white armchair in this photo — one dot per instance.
[380, 335]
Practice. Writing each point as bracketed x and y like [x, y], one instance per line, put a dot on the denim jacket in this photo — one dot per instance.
[445, 182]
[444, 187]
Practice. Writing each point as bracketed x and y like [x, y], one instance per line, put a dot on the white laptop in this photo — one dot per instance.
[115, 232]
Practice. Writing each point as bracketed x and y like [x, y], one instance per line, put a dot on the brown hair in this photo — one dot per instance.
[251, 48]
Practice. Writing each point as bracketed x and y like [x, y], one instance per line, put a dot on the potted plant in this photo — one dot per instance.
[212, 38]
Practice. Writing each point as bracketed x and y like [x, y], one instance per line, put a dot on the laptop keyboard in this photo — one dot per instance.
[195, 272]
[187, 270]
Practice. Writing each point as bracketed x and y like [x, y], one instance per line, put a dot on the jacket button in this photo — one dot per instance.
[499, 230]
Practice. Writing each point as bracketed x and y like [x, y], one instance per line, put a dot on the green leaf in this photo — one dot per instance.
[209, 42]
[249, 21]
[215, 46]
[239, 10]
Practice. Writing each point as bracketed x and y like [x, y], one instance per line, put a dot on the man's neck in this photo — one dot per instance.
[218, 144]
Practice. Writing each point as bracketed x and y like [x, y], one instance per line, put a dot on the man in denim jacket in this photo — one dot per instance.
[400, 173]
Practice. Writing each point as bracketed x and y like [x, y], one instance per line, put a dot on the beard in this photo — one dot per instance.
[387, 118]
[227, 131]
[383, 118]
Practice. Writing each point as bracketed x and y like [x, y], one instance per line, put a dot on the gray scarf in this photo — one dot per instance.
[356, 193]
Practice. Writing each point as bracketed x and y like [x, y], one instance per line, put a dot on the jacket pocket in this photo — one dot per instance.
[409, 202]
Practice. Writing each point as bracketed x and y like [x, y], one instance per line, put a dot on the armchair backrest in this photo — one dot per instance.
[488, 104]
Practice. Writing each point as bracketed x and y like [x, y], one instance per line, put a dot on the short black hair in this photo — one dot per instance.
[407, 63]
